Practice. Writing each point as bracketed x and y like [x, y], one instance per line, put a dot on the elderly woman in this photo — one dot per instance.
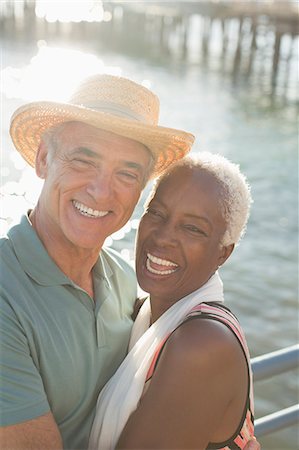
[186, 382]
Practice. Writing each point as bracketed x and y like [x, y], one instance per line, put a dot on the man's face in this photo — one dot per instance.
[92, 184]
[179, 236]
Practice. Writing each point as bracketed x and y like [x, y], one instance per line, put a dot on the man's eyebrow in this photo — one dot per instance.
[134, 165]
[91, 154]
[86, 151]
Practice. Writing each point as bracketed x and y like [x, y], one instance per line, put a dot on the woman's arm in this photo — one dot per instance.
[197, 393]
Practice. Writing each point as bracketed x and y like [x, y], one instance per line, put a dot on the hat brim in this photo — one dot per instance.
[30, 121]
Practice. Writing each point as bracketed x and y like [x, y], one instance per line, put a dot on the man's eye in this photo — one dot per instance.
[130, 176]
[82, 162]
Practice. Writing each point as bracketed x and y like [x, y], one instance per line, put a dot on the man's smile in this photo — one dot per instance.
[87, 211]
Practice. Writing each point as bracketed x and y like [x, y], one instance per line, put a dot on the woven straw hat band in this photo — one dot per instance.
[118, 96]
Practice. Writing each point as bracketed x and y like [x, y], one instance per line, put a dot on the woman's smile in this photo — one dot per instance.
[159, 266]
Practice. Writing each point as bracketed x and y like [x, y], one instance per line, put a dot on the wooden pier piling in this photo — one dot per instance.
[164, 29]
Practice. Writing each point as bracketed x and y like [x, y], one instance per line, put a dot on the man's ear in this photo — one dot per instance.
[41, 165]
[225, 253]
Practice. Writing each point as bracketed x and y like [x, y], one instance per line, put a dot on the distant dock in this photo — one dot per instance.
[248, 32]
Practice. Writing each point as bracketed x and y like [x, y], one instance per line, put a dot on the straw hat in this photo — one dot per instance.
[108, 102]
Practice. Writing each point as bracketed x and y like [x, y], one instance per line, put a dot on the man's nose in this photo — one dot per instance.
[100, 184]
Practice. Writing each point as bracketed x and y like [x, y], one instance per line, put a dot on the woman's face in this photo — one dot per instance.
[178, 242]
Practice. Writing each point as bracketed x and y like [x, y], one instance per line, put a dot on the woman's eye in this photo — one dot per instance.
[154, 212]
[151, 211]
[195, 229]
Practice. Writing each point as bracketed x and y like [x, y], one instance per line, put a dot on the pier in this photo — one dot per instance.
[244, 28]
[222, 68]
[246, 38]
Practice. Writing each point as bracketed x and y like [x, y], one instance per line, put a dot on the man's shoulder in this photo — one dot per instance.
[17, 230]
[3, 242]
[7, 254]
[116, 260]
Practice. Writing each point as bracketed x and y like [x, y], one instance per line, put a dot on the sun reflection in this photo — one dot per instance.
[52, 74]
[89, 11]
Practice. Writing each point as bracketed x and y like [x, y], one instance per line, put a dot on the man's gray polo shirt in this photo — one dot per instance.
[58, 346]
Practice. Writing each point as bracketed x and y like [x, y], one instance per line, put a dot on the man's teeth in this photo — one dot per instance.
[160, 262]
[89, 212]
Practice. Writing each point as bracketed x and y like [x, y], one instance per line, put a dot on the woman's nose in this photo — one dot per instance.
[165, 234]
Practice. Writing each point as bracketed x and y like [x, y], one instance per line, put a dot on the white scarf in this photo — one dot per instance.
[120, 396]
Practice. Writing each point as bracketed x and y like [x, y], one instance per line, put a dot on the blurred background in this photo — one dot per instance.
[226, 71]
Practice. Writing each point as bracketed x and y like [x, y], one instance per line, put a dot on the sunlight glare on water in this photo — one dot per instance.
[89, 11]
[52, 74]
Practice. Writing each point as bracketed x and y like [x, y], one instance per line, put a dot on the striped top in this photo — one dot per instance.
[219, 312]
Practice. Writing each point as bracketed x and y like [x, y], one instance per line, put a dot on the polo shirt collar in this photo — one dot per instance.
[103, 269]
[35, 260]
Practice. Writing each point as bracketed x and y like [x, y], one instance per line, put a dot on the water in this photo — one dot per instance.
[236, 119]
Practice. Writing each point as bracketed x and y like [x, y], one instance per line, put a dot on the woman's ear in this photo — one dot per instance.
[41, 164]
[225, 253]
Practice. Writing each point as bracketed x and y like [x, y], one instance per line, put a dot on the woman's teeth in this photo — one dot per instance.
[160, 262]
[89, 212]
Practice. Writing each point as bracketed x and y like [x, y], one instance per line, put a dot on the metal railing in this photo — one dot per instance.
[266, 366]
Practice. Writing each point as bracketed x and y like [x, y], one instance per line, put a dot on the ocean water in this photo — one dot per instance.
[235, 118]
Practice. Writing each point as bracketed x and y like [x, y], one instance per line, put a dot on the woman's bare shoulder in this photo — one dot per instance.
[202, 341]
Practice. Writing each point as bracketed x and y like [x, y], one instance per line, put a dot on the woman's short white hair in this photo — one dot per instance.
[236, 199]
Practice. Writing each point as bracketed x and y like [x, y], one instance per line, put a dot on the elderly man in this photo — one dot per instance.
[66, 302]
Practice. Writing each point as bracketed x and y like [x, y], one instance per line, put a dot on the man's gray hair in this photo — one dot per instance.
[236, 198]
[50, 138]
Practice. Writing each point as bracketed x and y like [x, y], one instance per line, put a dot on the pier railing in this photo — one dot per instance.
[266, 366]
